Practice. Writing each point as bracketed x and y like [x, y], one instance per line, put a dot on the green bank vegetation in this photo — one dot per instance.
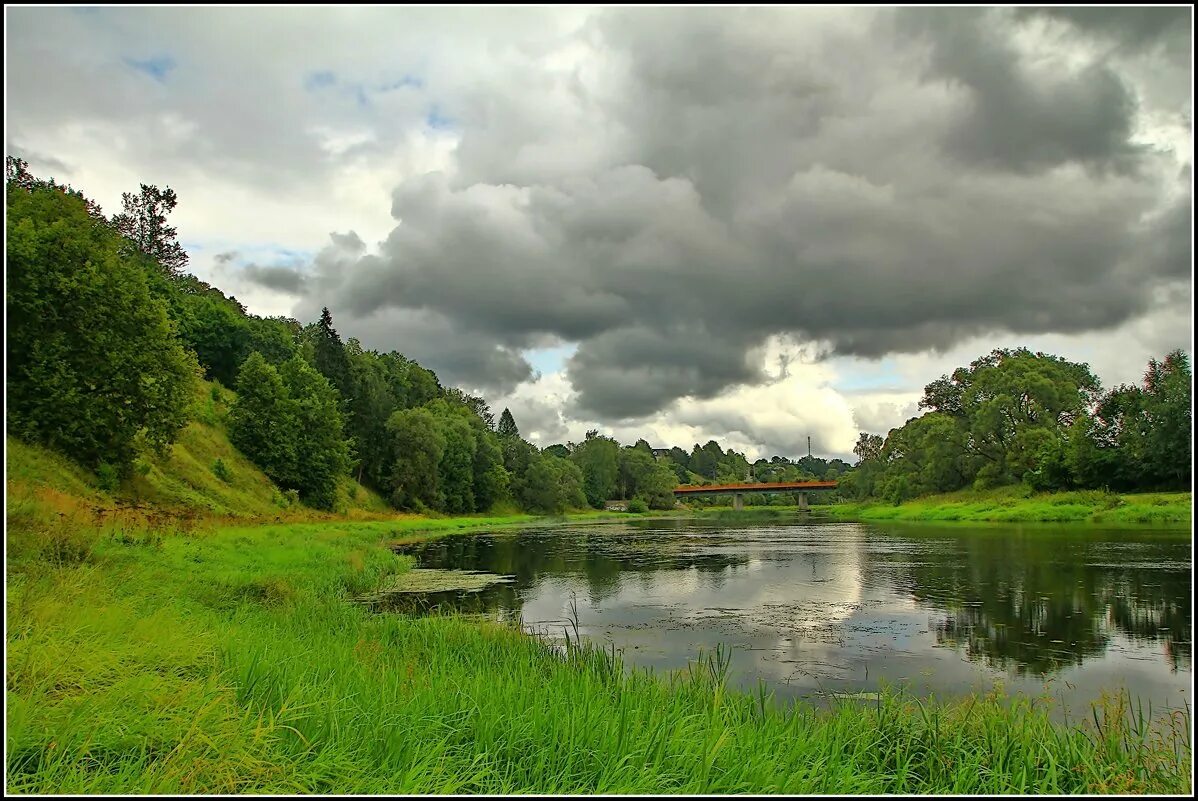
[163, 660]
[1019, 505]
[1017, 418]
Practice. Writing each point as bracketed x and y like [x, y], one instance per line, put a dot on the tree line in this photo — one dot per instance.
[1014, 416]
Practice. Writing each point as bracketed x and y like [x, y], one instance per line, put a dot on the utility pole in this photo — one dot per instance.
[808, 447]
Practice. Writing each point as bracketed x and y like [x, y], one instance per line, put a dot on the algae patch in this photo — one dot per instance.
[424, 590]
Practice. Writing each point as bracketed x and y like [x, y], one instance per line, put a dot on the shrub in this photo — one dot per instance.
[638, 506]
[220, 471]
[108, 478]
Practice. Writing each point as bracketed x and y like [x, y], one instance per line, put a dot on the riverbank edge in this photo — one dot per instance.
[1173, 511]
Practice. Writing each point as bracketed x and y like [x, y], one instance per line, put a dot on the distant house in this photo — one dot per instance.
[661, 453]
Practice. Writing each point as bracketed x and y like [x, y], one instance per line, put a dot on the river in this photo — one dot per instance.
[813, 608]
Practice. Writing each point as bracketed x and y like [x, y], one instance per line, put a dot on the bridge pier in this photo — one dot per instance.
[738, 502]
[803, 501]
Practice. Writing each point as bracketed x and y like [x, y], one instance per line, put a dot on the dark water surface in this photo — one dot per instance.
[814, 607]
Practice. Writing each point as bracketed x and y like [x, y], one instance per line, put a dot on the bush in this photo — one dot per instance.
[220, 471]
[638, 506]
[108, 478]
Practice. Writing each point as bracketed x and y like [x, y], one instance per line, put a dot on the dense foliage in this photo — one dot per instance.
[95, 366]
[1014, 416]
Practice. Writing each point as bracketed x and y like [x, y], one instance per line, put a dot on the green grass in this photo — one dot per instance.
[184, 481]
[1017, 505]
[231, 660]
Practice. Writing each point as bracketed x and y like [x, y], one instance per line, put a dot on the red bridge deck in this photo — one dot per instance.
[781, 486]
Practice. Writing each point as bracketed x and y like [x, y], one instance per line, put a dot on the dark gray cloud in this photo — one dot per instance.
[878, 182]
[1133, 27]
[277, 277]
[1022, 116]
[39, 163]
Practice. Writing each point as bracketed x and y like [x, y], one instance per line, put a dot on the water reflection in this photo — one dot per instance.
[601, 558]
[814, 606]
[1038, 600]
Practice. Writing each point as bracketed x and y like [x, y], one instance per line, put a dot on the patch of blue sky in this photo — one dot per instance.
[267, 254]
[319, 80]
[857, 375]
[547, 361]
[157, 67]
[413, 81]
[438, 121]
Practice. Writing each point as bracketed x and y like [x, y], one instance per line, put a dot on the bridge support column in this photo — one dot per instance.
[738, 501]
[803, 501]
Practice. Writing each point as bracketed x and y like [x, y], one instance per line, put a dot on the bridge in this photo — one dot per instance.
[737, 491]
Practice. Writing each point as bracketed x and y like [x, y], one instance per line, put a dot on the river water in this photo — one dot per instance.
[816, 607]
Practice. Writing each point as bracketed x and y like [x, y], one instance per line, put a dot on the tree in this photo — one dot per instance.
[869, 446]
[597, 457]
[706, 460]
[507, 425]
[1018, 406]
[928, 454]
[217, 329]
[491, 480]
[16, 174]
[558, 450]
[1140, 437]
[328, 354]
[418, 446]
[95, 365]
[372, 402]
[456, 468]
[642, 476]
[287, 421]
[1168, 393]
[322, 454]
[552, 486]
[475, 404]
[143, 224]
[260, 420]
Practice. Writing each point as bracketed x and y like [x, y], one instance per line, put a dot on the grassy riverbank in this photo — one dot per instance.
[231, 659]
[1018, 505]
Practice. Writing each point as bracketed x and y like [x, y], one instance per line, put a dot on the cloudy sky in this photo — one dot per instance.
[749, 224]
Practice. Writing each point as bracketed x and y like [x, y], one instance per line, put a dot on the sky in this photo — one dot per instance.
[756, 225]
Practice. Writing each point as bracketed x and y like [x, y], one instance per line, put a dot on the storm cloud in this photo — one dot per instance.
[876, 181]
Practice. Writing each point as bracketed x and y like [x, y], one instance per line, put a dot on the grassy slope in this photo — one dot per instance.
[1015, 505]
[183, 482]
[230, 660]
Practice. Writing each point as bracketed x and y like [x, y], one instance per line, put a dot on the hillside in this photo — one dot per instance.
[184, 482]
